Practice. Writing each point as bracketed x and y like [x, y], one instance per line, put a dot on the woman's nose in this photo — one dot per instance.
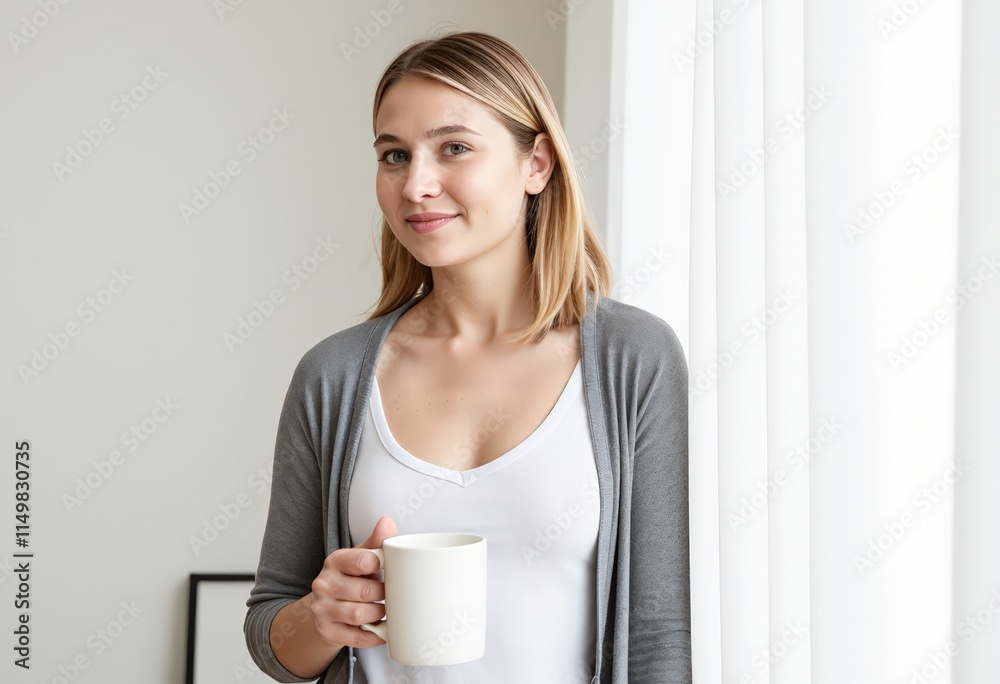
[421, 181]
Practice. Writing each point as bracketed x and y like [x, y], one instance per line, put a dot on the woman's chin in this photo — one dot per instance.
[436, 259]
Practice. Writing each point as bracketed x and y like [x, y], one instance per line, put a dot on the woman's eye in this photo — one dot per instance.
[393, 157]
[454, 149]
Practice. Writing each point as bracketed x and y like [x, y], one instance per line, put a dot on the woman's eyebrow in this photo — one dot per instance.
[433, 133]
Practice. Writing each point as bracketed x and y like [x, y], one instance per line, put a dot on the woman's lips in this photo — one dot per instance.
[425, 223]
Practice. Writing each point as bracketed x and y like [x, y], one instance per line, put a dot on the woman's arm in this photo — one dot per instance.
[307, 635]
[306, 604]
[292, 551]
[659, 577]
[297, 644]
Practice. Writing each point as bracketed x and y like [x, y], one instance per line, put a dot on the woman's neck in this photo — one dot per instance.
[477, 305]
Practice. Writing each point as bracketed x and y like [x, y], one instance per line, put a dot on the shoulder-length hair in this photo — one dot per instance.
[566, 255]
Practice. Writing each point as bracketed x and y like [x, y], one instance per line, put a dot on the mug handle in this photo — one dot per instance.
[379, 629]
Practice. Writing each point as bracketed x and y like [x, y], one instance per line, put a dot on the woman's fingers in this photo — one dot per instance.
[349, 612]
[355, 562]
[348, 635]
[338, 620]
[339, 586]
[345, 594]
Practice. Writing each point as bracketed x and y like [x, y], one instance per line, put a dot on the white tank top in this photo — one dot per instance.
[538, 508]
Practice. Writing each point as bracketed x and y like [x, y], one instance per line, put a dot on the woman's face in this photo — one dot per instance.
[449, 181]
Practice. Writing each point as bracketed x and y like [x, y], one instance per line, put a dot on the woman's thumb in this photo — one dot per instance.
[384, 528]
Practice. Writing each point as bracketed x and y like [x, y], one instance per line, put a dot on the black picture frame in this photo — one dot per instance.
[198, 581]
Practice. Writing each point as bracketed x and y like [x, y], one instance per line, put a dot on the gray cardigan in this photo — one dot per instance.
[635, 385]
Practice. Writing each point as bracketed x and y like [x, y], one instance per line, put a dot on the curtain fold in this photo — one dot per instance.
[842, 322]
[975, 618]
[789, 102]
[740, 361]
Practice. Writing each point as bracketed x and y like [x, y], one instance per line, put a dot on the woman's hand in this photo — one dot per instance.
[344, 593]
[307, 635]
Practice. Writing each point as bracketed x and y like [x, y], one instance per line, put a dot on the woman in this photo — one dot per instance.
[494, 390]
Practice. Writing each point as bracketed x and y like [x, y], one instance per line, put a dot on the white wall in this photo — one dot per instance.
[589, 65]
[183, 284]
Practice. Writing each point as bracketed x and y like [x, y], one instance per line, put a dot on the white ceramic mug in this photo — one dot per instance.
[435, 598]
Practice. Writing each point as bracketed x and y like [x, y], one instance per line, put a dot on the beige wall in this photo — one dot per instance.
[151, 409]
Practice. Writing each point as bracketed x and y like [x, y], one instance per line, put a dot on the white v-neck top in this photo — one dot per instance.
[538, 508]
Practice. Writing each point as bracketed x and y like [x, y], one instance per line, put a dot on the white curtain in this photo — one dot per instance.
[808, 192]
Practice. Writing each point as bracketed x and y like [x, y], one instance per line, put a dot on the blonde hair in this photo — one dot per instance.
[566, 255]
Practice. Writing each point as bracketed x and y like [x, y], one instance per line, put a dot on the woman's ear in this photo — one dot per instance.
[540, 165]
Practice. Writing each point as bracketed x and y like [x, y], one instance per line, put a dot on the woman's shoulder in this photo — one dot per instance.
[640, 347]
[626, 328]
[342, 354]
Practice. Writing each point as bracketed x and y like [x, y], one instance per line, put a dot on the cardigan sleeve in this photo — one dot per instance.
[292, 552]
[659, 566]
